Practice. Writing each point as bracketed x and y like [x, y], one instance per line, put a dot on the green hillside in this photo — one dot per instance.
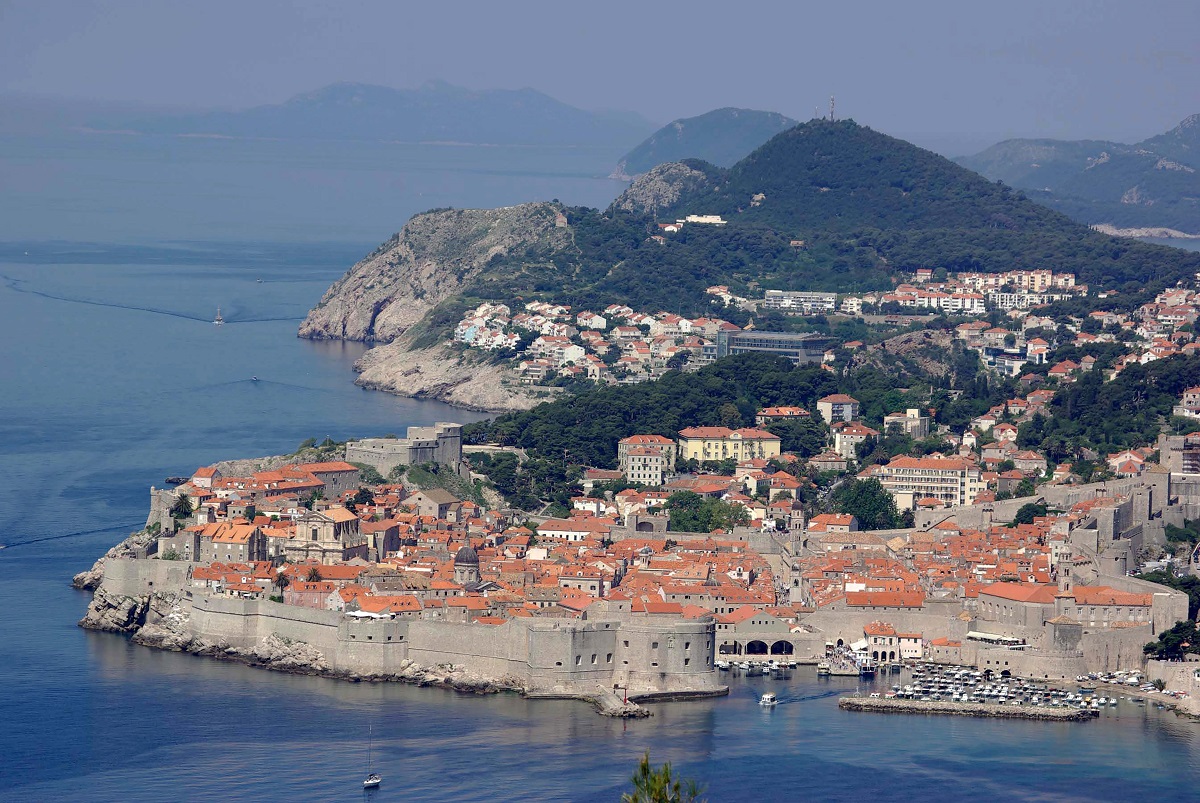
[822, 206]
[720, 137]
[1155, 183]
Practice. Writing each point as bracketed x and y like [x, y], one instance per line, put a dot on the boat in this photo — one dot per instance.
[768, 699]
[373, 779]
[254, 379]
[823, 668]
[218, 320]
[721, 664]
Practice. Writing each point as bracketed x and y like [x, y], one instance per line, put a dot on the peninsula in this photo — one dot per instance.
[503, 309]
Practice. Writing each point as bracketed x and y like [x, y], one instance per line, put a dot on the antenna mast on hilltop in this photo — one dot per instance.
[831, 108]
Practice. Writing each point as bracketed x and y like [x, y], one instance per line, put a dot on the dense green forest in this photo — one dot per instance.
[1130, 411]
[917, 209]
[583, 429]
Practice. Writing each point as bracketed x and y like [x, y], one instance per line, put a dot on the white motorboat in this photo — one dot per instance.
[768, 699]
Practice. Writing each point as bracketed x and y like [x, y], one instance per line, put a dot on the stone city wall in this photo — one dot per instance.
[560, 656]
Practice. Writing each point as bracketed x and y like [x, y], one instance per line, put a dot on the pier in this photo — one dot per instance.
[883, 705]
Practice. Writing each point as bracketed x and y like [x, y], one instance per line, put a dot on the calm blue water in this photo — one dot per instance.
[131, 189]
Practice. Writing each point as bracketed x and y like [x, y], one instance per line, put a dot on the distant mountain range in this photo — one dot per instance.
[721, 137]
[1154, 183]
[435, 112]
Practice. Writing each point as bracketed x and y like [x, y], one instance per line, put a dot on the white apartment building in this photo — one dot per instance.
[950, 480]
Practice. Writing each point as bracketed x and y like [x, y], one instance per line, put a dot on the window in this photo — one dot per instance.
[578, 660]
[687, 661]
[608, 660]
[593, 659]
[654, 645]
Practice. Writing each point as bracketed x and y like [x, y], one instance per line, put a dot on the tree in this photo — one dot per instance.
[1028, 512]
[729, 415]
[313, 576]
[869, 502]
[182, 507]
[1025, 487]
[1174, 643]
[658, 785]
[369, 475]
[691, 512]
[281, 579]
[805, 436]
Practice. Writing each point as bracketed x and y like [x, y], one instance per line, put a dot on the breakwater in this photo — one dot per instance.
[884, 705]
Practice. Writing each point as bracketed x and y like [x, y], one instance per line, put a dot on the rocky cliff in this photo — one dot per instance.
[444, 373]
[661, 188]
[433, 257]
[130, 547]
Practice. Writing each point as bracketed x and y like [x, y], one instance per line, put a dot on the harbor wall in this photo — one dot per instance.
[561, 656]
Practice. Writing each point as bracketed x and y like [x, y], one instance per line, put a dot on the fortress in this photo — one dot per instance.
[440, 443]
[652, 657]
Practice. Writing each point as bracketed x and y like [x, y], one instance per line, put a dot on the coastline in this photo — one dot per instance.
[1145, 233]
[154, 603]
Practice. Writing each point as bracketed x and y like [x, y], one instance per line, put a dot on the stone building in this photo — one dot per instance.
[647, 459]
[440, 443]
[327, 536]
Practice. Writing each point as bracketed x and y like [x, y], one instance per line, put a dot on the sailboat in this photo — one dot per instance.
[373, 778]
[218, 320]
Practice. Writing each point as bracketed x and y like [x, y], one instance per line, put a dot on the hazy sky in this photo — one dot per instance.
[1098, 69]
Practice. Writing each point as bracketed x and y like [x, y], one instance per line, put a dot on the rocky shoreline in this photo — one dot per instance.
[443, 374]
[1152, 232]
[883, 705]
[129, 615]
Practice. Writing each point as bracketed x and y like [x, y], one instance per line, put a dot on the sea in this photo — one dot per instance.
[112, 268]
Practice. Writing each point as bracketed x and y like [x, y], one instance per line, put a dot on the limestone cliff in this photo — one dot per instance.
[433, 257]
[444, 373]
[661, 188]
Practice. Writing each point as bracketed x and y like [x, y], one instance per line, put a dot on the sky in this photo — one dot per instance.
[979, 72]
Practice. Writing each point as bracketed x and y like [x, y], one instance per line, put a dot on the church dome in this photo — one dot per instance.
[466, 556]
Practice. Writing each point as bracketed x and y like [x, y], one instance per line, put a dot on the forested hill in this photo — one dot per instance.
[914, 209]
[823, 206]
[721, 137]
